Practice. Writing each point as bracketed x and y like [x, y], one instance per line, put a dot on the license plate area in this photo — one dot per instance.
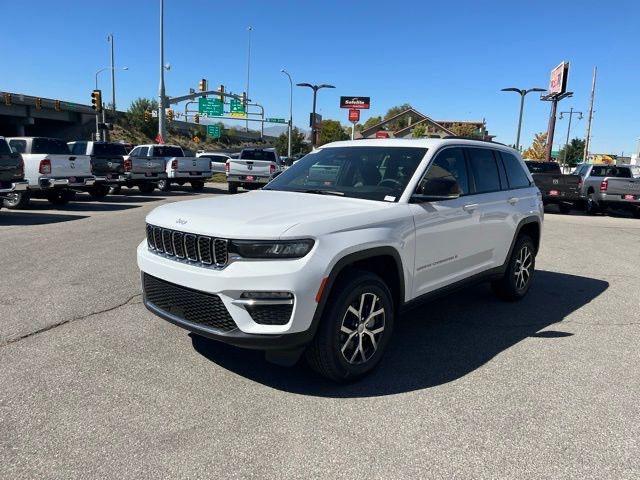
[554, 193]
[250, 178]
[629, 196]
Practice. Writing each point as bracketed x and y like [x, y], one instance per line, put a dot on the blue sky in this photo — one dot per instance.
[448, 59]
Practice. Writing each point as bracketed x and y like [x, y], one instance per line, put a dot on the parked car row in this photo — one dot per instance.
[41, 167]
[592, 188]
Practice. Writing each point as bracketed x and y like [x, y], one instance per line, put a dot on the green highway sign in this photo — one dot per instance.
[275, 120]
[211, 107]
[214, 131]
[236, 106]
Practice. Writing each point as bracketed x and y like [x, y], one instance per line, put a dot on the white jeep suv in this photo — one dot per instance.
[324, 258]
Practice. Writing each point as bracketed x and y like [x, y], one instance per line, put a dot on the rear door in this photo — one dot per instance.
[446, 232]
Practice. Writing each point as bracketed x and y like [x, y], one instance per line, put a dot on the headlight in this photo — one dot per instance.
[271, 249]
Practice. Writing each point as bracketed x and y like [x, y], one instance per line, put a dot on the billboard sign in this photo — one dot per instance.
[361, 103]
[558, 80]
[354, 115]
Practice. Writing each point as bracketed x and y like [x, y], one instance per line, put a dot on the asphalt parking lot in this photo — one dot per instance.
[94, 386]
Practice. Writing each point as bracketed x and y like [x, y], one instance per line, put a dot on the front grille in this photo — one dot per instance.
[270, 314]
[197, 307]
[202, 249]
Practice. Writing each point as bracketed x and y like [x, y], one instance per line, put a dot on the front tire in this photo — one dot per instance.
[355, 328]
[17, 200]
[517, 279]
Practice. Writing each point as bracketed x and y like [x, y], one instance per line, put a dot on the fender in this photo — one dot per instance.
[523, 222]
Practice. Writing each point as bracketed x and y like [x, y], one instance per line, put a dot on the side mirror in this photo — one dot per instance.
[437, 190]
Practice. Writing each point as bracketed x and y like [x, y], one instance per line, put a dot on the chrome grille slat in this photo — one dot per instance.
[188, 247]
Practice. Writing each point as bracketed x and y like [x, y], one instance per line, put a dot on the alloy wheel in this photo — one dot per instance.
[523, 267]
[362, 328]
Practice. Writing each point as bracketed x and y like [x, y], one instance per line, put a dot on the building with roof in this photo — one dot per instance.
[404, 123]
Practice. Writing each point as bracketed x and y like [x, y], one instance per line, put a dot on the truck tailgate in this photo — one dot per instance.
[558, 184]
[9, 165]
[70, 165]
[193, 164]
[627, 188]
[260, 168]
[102, 166]
[147, 165]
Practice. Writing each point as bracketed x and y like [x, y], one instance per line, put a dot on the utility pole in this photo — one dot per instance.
[554, 99]
[587, 140]
[249, 29]
[161, 92]
[113, 74]
[571, 113]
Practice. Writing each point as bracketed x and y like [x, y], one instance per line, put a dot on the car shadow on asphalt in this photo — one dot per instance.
[77, 206]
[437, 343]
[23, 218]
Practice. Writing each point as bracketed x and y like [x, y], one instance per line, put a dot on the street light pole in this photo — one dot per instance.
[522, 93]
[161, 91]
[290, 111]
[571, 113]
[249, 29]
[314, 127]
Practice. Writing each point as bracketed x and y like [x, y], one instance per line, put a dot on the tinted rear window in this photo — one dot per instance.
[543, 167]
[109, 149]
[258, 155]
[50, 145]
[516, 175]
[613, 171]
[485, 170]
[167, 152]
[4, 147]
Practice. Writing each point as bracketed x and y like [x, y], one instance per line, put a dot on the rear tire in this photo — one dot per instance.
[99, 192]
[164, 185]
[355, 328]
[233, 188]
[197, 185]
[146, 188]
[517, 279]
[17, 200]
[591, 206]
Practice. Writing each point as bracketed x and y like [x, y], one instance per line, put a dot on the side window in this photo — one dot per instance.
[79, 148]
[598, 171]
[143, 152]
[484, 170]
[135, 152]
[447, 174]
[18, 146]
[516, 176]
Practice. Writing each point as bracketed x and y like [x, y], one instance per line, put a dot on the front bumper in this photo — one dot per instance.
[300, 277]
[15, 187]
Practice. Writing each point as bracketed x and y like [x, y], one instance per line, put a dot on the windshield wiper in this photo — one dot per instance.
[318, 191]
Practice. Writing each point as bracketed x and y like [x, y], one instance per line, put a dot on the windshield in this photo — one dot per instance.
[109, 149]
[167, 152]
[372, 173]
[52, 146]
[543, 167]
[258, 154]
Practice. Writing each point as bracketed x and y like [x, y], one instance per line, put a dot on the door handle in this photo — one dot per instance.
[470, 207]
[513, 200]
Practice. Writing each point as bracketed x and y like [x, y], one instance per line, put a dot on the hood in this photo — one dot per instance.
[258, 215]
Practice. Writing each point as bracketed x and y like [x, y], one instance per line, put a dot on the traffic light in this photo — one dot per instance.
[196, 118]
[244, 98]
[38, 104]
[7, 99]
[96, 100]
[147, 116]
[221, 90]
[169, 114]
[202, 86]
[56, 106]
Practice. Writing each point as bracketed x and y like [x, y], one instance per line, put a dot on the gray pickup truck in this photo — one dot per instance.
[142, 170]
[610, 187]
[107, 164]
[11, 172]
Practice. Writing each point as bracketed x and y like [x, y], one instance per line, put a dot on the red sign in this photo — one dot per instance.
[382, 134]
[354, 115]
[159, 139]
[558, 80]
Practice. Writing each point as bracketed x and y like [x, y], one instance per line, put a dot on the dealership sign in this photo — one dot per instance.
[354, 115]
[361, 103]
[558, 80]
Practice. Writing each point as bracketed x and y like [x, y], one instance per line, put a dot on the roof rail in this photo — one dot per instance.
[458, 137]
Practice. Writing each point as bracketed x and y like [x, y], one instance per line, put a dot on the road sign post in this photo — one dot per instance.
[354, 117]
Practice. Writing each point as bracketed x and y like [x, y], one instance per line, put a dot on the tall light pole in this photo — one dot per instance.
[106, 68]
[523, 93]
[113, 73]
[161, 92]
[249, 29]
[314, 127]
[571, 113]
[290, 111]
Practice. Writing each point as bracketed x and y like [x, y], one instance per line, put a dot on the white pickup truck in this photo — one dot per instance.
[179, 168]
[52, 172]
[254, 168]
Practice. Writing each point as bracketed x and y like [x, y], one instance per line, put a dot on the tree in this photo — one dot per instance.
[135, 116]
[465, 130]
[537, 151]
[371, 121]
[573, 153]
[298, 144]
[392, 112]
[332, 131]
[419, 131]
